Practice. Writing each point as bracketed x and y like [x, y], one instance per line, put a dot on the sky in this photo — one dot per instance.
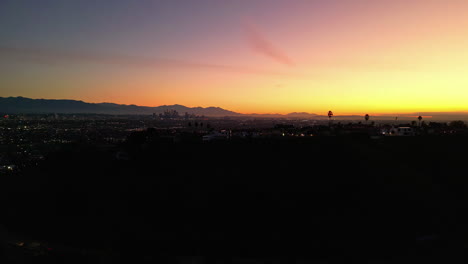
[256, 56]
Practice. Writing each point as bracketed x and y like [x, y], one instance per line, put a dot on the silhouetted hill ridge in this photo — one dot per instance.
[23, 105]
[14, 105]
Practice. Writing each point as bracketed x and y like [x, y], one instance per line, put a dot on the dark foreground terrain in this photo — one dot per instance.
[318, 200]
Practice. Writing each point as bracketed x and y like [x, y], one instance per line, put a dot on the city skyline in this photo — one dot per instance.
[352, 57]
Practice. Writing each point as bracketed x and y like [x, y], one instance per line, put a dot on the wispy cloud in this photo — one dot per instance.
[54, 57]
[260, 44]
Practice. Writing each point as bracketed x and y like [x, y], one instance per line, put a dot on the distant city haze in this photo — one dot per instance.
[353, 57]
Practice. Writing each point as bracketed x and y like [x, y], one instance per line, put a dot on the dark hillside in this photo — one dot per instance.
[320, 197]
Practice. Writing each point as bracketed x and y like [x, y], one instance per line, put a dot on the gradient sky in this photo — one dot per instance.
[256, 56]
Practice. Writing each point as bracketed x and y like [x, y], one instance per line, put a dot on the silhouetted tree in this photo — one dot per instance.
[457, 124]
[413, 123]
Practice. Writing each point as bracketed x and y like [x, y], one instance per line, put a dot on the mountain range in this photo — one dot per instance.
[17, 105]
[22, 105]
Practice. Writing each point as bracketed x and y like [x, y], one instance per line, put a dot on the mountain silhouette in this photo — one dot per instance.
[15, 105]
[23, 105]
[301, 115]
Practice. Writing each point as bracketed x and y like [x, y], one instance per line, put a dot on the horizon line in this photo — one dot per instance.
[426, 114]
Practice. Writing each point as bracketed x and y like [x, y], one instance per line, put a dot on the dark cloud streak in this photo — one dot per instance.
[260, 44]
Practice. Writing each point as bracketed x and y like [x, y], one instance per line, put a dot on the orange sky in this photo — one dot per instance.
[352, 57]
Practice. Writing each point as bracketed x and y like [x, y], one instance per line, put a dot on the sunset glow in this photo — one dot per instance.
[354, 57]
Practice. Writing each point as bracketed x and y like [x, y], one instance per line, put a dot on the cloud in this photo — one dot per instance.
[55, 57]
[260, 44]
